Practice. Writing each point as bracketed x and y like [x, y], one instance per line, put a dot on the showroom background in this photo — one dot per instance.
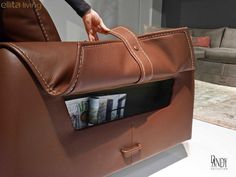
[134, 14]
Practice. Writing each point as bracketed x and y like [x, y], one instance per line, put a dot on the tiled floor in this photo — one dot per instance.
[193, 158]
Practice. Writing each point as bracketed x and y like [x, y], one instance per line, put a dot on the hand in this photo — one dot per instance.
[93, 24]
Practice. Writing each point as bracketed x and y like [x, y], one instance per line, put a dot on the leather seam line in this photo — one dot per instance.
[147, 38]
[41, 23]
[32, 63]
[140, 49]
[161, 34]
[81, 62]
[136, 57]
[190, 49]
[141, 38]
[169, 33]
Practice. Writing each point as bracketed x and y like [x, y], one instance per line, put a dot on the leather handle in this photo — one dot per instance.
[128, 151]
[134, 47]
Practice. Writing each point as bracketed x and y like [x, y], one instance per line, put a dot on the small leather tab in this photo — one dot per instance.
[129, 151]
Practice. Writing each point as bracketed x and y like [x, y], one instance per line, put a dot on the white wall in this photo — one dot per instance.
[133, 14]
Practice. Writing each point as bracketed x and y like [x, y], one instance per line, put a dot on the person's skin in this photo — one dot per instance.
[93, 24]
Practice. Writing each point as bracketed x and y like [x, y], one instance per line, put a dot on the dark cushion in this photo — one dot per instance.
[229, 38]
[221, 55]
[215, 35]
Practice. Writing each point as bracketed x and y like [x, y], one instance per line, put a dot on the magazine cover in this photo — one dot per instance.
[94, 110]
[78, 111]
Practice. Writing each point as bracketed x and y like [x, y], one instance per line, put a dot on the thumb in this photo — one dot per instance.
[103, 28]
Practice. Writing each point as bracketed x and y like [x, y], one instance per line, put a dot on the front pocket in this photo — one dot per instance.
[96, 108]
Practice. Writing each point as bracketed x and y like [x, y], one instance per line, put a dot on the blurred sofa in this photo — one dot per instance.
[216, 63]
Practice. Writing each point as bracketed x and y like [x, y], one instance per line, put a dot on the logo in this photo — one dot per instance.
[18, 5]
[218, 163]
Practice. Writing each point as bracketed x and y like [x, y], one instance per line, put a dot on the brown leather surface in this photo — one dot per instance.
[168, 53]
[28, 24]
[36, 135]
[167, 127]
[37, 138]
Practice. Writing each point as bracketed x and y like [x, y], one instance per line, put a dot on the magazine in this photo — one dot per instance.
[94, 110]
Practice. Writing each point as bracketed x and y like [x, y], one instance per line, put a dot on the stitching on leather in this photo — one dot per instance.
[190, 48]
[81, 62]
[35, 67]
[41, 23]
[161, 34]
[123, 37]
[136, 57]
[140, 49]
[142, 66]
[146, 38]
[81, 57]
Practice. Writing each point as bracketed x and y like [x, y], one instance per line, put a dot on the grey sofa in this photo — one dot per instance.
[216, 64]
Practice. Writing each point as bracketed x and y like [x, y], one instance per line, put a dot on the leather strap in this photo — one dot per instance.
[135, 49]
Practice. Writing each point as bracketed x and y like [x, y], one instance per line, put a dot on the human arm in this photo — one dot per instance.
[92, 21]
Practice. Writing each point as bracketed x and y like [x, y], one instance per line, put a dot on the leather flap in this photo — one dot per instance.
[68, 68]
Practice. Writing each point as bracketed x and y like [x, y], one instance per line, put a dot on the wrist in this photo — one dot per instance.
[87, 12]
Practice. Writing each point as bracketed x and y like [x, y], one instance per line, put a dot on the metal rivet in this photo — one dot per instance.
[136, 48]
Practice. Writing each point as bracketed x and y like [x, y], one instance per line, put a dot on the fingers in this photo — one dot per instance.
[93, 24]
[91, 32]
[104, 28]
[92, 36]
[96, 37]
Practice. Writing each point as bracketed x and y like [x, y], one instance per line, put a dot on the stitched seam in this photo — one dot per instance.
[169, 33]
[136, 57]
[146, 38]
[141, 49]
[157, 37]
[142, 38]
[41, 23]
[95, 45]
[35, 67]
[81, 62]
[131, 50]
[190, 48]
[82, 56]
[161, 34]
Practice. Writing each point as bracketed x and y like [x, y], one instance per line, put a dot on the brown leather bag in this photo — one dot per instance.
[155, 70]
